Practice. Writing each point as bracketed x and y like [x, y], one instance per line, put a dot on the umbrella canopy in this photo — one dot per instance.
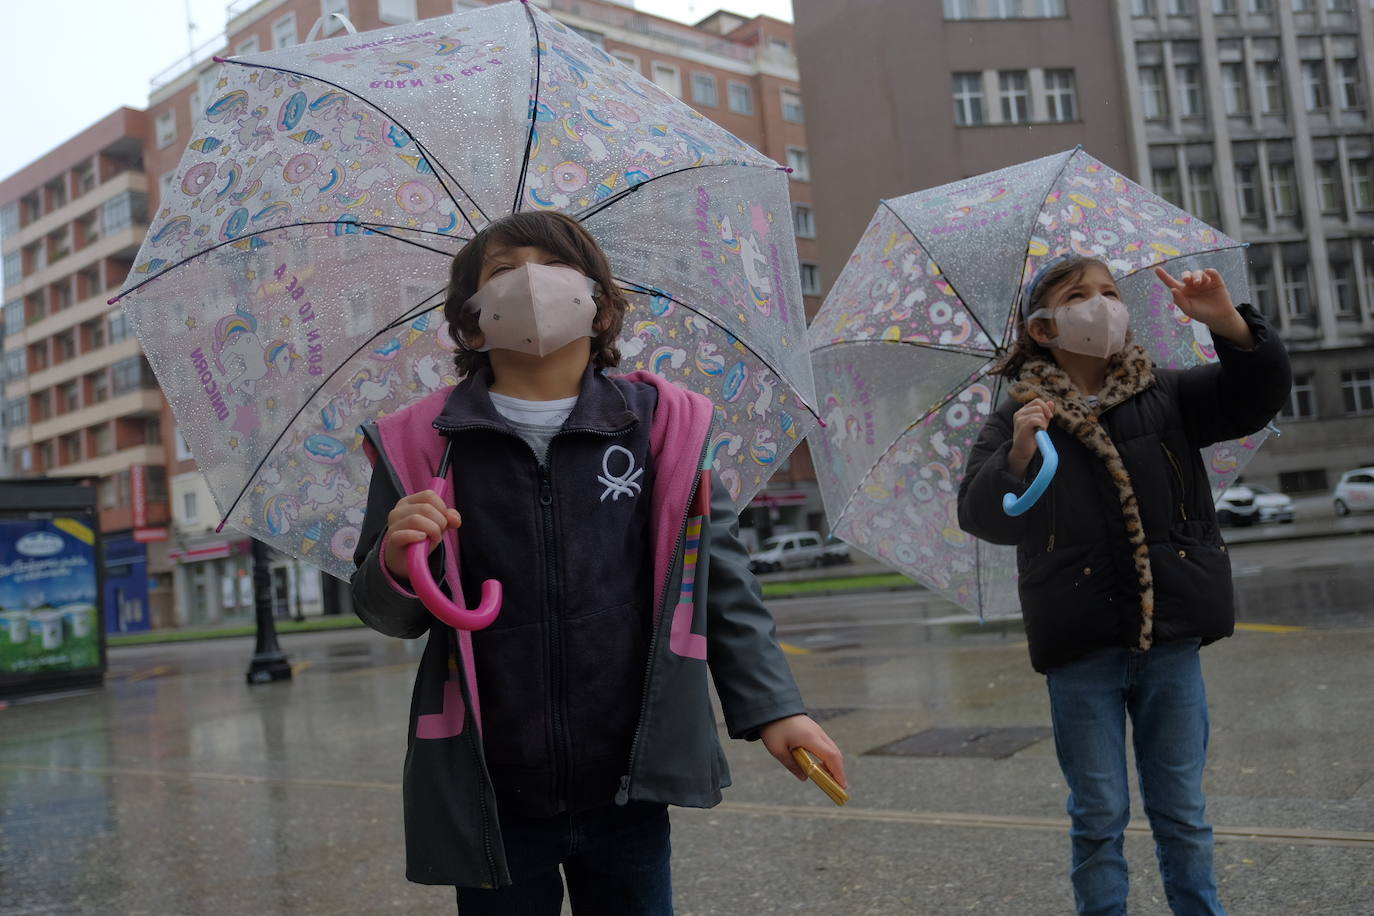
[289, 287]
[926, 305]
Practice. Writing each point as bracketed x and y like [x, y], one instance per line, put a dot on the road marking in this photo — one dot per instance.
[156, 671]
[1269, 628]
[790, 649]
[298, 667]
[1304, 836]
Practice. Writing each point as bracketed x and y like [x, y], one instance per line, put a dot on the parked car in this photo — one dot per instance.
[789, 551]
[836, 552]
[1273, 506]
[1354, 491]
[1236, 506]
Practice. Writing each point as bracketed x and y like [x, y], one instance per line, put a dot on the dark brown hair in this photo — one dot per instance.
[561, 236]
[1064, 270]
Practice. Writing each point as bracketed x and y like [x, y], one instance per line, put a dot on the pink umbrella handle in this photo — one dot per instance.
[440, 605]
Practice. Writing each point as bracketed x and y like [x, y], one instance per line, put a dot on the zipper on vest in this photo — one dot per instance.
[555, 624]
[1182, 487]
[622, 796]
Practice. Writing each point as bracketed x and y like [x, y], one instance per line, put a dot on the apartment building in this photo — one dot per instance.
[1252, 114]
[80, 400]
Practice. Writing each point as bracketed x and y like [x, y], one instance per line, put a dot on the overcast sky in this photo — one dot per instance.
[68, 63]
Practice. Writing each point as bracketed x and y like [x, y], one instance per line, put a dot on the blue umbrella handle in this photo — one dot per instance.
[1016, 505]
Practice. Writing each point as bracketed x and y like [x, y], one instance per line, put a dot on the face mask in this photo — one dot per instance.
[1094, 327]
[535, 309]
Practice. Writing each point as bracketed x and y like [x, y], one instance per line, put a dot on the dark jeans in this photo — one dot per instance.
[616, 861]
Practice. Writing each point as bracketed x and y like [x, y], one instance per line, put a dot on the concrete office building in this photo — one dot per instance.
[1253, 114]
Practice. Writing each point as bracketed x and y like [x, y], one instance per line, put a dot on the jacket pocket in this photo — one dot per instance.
[1178, 488]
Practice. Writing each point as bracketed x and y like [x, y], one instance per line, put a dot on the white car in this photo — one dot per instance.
[1355, 491]
[789, 551]
[1273, 506]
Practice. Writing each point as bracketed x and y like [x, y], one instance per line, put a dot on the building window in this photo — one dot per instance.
[1269, 82]
[741, 98]
[152, 431]
[1013, 88]
[1260, 6]
[1060, 99]
[17, 413]
[961, 9]
[1302, 400]
[1296, 295]
[13, 267]
[799, 163]
[332, 25]
[810, 279]
[128, 209]
[1314, 93]
[1180, 7]
[131, 374]
[40, 406]
[1369, 284]
[1329, 191]
[1282, 189]
[1223, 7]
[9, 220]
[1263, 292]
[250, 45]
[16, 365]
[704, 90]
[64, 346]
[284, 31]
[1142, 7]
[1361, 186]
[1247, 192]
[1188, 86]
[69, 397]
[1165, 184]
[14, 316]
[183, 448]
[1234, 90]
[1357, 390]
[1343, 289]
[792, 106]
[1154, 101]
[166, 128]
[100, 386]
[804, 221]
[667, 78]
[627, 59]
[1348, 90]
[190, 507]
[1202, 193]
[968, 99]
[119, 327]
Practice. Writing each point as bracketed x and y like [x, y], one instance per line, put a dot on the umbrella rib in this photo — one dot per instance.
[621, 195]
[534, 108]
[918, 344]
[1181, 257]
[936, 408]
[370, 227]
[654, 291]
[413, 139]
[968, 308]
[408, 315]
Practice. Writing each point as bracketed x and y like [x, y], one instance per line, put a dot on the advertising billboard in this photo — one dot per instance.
[49, 607]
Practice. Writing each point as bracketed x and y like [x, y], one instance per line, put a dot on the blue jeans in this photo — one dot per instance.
[1162, 690]
[616, 860]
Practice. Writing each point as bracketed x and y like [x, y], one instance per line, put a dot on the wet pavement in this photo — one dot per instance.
[178, 789]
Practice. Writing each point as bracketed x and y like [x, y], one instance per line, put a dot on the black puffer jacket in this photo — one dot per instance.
[1124, 549]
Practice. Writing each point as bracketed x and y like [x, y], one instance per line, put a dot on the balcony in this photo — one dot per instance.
[122, 244]
[146, 402]
[74, 209]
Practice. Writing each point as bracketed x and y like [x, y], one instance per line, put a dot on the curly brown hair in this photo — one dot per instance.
[558, 234]
[1066, 269]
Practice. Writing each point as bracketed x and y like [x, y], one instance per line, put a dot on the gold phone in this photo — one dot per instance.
[818, 774]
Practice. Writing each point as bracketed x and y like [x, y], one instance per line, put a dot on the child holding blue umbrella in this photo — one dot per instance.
[556, 736]
[1123, 574]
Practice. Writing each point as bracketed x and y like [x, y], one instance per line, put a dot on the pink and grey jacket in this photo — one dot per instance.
[684, 603]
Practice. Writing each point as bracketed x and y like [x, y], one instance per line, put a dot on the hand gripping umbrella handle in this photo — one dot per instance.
[440, 605]
[1014, 505]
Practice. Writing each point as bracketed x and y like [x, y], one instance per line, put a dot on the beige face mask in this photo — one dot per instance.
[535, 309]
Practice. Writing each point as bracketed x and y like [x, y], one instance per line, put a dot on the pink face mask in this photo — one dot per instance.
[1093, 327]
[535, 309]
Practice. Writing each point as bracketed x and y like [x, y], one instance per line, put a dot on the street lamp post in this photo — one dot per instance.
[269, 661]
